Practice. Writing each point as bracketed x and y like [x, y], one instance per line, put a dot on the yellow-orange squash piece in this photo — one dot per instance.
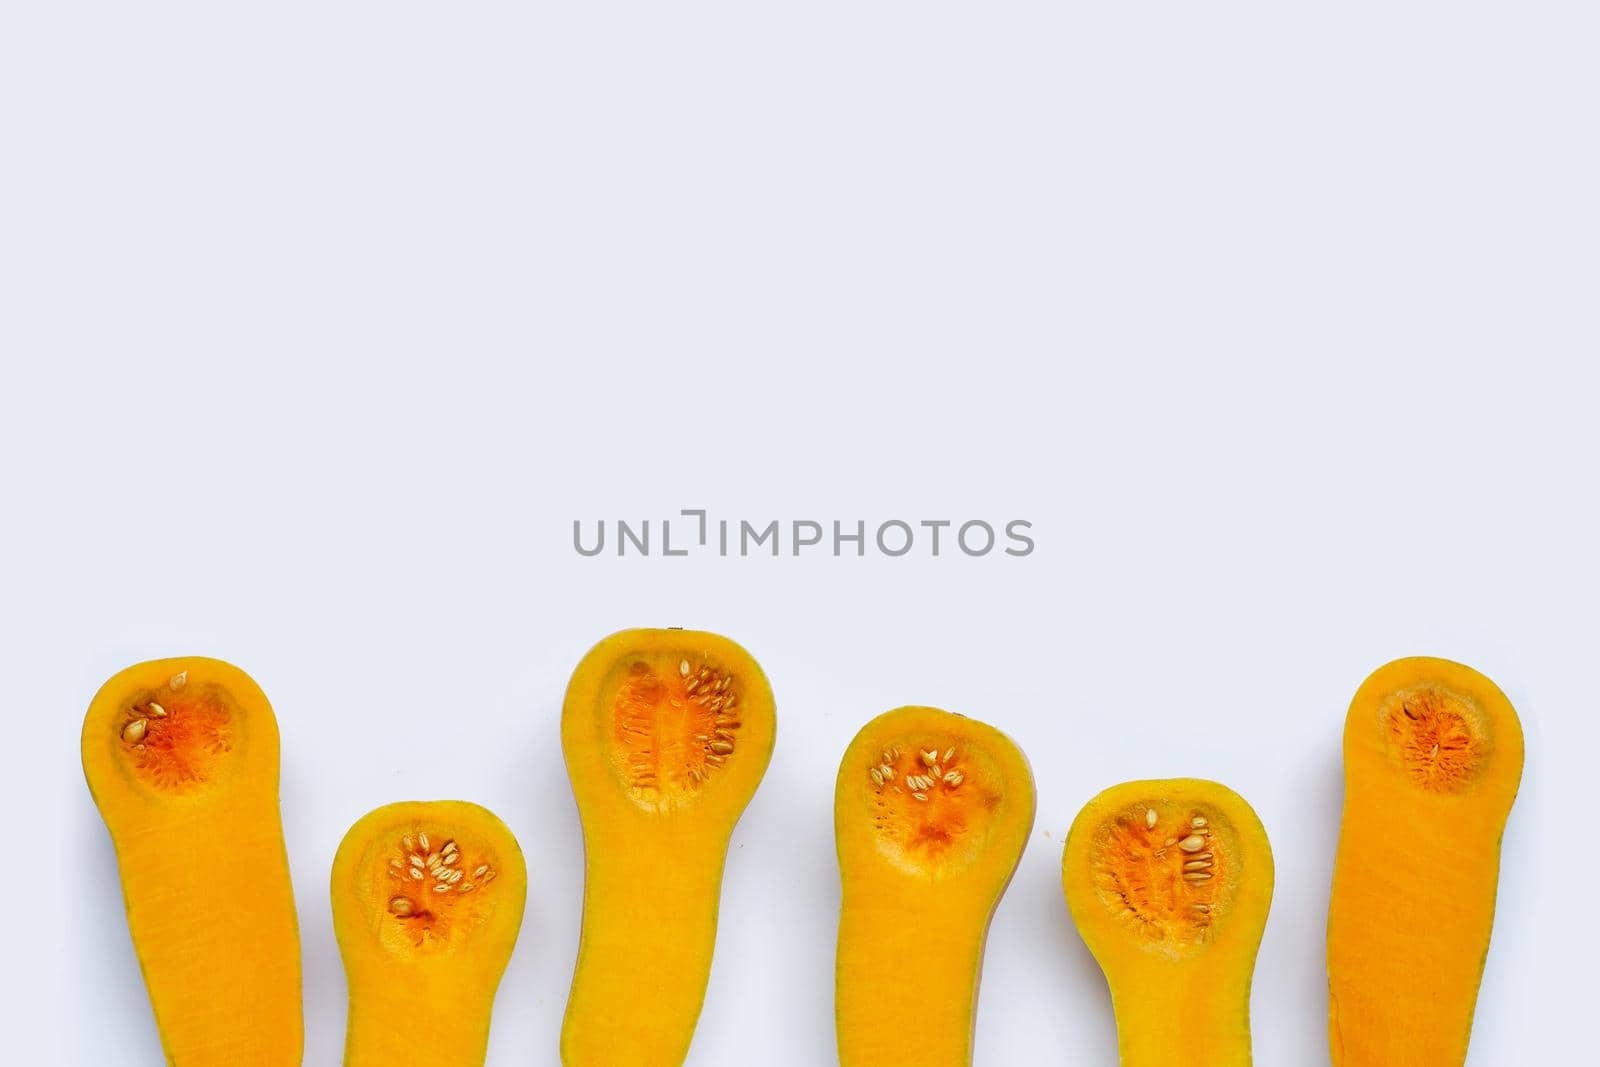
[931, 814]
[182, 758]
[666, 734]
[1432, 759]
[1169, 883]
[427, 904]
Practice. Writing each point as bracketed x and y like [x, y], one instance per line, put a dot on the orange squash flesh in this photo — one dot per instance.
[666, 734]
[1169, 883]
[181, 756]
[931, 813]
[1433, 757]
[427, 903]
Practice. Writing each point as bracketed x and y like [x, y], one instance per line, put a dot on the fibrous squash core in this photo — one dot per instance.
[432, 888]
[675, 724]
[175, 737]
[1437, 735]
[1163, 871]
[932, 799]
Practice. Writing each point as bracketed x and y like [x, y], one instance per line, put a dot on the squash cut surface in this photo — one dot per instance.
[1169, 883]
[667, 734]
[931, 813]
[427, 904]
[181, 756]
[1433, 757]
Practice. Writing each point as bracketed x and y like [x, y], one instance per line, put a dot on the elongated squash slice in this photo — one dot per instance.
[182, 759]
[1432, 760]
[931, 814]
[1169, 883]
[666, 734]
[427, 903]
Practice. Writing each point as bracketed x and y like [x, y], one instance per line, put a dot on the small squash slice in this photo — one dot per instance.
[1169, 883]
[427, 904]
[666, 733]
[931, 813]
[1432, 760]
[181, 756]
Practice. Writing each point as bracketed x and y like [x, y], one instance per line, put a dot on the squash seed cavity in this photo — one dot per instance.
[675, 723]
[1438, 736]
[1163, 870]
[932, 800]
[176, 737]
[431, 888]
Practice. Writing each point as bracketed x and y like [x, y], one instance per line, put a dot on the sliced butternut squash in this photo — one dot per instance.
[427, 903]
[1169, 883]
[931, 814]
[1432, 760]
[181, 756]
[666, 733]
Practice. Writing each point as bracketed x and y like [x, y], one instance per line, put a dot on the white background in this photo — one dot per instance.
[322, 322]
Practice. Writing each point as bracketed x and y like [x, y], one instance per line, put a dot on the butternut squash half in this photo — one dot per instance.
[181, 756]
[1169, 883]
[666, 733]
[931, 813]
[1432, 760]
[427, 904]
